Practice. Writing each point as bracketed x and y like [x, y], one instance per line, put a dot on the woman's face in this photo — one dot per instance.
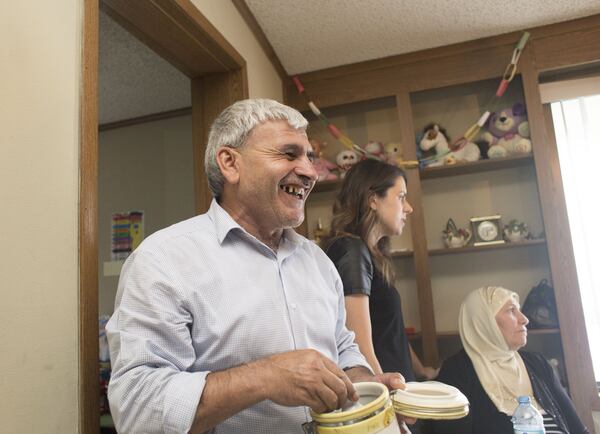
[513, 325]
[392, 209]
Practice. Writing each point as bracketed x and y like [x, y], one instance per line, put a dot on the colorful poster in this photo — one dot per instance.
[127, 233]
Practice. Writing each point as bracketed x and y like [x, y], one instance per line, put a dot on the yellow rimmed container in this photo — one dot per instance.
[373, 413]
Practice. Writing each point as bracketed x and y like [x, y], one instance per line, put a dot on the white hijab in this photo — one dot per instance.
[500, 370]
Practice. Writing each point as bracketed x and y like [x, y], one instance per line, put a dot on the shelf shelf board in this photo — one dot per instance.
[471, 249]
[453, 170]
[476, 166]
[456, 335]
[402, 254]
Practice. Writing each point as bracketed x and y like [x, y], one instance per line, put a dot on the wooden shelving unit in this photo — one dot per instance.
[419, 94]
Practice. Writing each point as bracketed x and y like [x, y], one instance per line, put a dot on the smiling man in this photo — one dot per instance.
[231, 321]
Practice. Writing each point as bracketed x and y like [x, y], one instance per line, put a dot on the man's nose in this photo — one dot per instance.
[307, 168]
[408, 209]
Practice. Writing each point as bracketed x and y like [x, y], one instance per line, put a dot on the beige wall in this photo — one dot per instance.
[146, 167]
[40, 64]
[263, 80]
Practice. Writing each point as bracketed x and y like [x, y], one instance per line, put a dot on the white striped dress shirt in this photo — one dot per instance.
[204, 295]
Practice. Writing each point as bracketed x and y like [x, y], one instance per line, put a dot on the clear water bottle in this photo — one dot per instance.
[526, 419]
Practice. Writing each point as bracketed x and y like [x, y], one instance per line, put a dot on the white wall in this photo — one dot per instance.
[263, 81]
[146, 167]
[40, 46]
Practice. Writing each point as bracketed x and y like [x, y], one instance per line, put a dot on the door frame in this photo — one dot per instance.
[177, 31]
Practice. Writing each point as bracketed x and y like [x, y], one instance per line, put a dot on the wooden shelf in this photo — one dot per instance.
[471, 249]
[456, 335]
[476, 166]
[453, 170]
[402, 254]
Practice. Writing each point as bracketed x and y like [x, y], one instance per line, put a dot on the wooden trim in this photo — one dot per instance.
[577, 46]
[146, 118]
[210, 95]
[262, 39]
[89, 397]
[413, 76]
[417, 220]
[560, 248]
[178, 32]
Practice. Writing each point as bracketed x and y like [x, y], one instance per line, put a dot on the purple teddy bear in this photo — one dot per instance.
[508, 132]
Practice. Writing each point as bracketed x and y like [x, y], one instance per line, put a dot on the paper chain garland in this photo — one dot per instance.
[468, 136]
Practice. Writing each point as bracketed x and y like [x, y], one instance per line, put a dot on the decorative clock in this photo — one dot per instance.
[487, 230]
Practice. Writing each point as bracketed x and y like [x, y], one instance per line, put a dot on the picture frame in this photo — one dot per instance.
[487, 230]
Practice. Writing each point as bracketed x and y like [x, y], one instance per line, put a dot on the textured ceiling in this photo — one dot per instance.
[133, 80]
[308, 35]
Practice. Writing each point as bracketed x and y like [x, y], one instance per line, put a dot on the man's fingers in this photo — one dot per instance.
[329, 398]
[351, 392]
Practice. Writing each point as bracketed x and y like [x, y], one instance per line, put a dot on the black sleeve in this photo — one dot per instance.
[559, 394]
[353, 262]
[455, 372]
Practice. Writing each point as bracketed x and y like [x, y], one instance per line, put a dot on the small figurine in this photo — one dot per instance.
[323, 166]
[374, 149]
[345, 160]
[392, 152]
[454, 237]
[319, 232]
[436, 137]
[508, 132]
[516, 231]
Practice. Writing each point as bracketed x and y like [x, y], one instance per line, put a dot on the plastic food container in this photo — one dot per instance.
[373, 413]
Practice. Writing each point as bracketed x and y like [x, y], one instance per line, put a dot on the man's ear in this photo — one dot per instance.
[227, 160]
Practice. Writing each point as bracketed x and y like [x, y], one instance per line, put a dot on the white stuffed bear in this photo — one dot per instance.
[345, 160]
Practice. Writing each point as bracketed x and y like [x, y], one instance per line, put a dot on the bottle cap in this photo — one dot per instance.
[524, 399]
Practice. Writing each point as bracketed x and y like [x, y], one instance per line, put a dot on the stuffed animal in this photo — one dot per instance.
[345, 160]
[374, 148]
[392, 152]
[435, 137]
[508, 132]
[323, 166]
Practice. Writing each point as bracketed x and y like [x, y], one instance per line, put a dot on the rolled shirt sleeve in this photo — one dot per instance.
[151, 388]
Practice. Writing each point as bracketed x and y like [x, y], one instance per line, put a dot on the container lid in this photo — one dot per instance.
[430, 400]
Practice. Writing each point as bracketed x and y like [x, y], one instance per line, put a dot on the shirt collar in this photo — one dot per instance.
[224, 224]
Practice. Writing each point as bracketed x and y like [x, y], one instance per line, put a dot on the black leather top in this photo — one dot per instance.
[359, 276]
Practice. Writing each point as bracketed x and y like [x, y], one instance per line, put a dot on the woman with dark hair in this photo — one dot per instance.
[370, 207]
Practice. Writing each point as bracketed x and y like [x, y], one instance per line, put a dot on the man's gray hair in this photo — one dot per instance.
[233, 126]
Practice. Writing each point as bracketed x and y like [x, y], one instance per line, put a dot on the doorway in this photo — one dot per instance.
[179, 33]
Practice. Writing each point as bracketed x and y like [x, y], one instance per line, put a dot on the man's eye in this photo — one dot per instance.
[290, 155]
[311, 157]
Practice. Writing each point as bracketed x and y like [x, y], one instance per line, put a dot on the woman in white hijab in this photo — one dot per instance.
[493, 373]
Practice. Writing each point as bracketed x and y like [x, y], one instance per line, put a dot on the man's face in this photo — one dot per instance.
[276, 175]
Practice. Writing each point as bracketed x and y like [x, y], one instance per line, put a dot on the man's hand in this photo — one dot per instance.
[306, 377]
